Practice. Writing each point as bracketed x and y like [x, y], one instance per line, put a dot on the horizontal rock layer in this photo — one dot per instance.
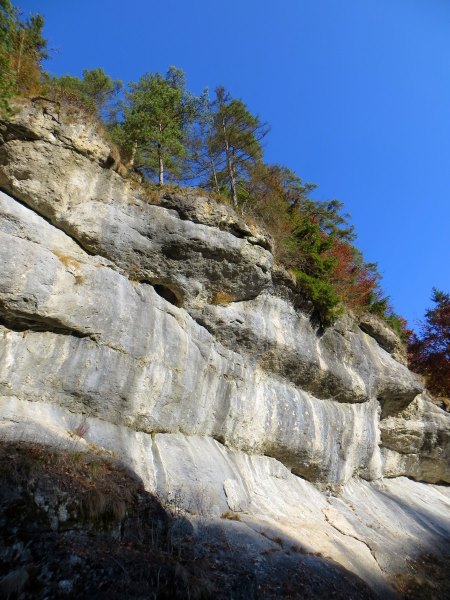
[417, 442]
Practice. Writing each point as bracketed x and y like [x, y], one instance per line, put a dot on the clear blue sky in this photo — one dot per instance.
[357, 93]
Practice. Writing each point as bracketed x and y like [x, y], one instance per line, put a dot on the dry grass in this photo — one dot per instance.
[222, 298]
[67, 261]
[231, 516]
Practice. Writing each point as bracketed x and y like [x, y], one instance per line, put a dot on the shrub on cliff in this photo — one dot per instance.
[92, 93]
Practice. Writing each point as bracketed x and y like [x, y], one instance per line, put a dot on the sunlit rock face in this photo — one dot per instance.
[163, 326]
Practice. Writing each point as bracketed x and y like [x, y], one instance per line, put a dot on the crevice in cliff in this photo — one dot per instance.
[19, 323]
[47, 219]
[169, 292]
[355, 537]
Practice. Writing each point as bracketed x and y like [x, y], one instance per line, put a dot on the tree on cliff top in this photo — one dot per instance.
[156, 116]
[236, 135]
[22, 48]
[429, 352]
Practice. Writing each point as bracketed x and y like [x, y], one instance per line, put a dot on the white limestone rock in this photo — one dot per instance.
[343, 363]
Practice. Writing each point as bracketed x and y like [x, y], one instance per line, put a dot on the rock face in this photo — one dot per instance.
[416, 442]
[164, 329]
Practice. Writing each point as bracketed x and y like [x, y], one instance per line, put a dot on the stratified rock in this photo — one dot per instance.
[341, 363]
[159, 332]
[416, 443]
[97, 343]
[384, 335]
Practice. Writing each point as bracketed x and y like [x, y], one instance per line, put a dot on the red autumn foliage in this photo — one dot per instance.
[354, 281]
[429, 352]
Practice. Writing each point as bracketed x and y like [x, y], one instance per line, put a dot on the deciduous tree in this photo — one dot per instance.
[429, 350]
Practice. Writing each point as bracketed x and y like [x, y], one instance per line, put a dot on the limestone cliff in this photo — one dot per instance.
[162, 332]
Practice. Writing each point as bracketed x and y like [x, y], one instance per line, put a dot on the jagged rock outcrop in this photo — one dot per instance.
[164, 328]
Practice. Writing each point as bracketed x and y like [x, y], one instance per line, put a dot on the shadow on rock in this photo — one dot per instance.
[76, 525]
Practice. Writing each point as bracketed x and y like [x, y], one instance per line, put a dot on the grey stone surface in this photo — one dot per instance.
[417, 442]
[384, 335]
[207, 211]
[343, 363]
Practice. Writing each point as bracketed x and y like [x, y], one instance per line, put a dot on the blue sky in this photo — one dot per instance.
[357, 93]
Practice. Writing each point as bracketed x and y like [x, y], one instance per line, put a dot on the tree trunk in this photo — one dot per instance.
[19, 57]
[160, 158]
[161, 166]
[130, 162]
[233, 178]
[229, 164]
[213, 169]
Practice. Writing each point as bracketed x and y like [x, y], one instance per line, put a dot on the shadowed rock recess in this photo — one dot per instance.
[157, 341]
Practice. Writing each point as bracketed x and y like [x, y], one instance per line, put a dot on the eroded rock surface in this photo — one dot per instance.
[416, 442]
[163, 333]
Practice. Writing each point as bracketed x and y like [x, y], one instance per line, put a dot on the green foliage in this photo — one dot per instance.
[326, 303]
[313, 266]
[235, 139]
[7, 75]
[157, 114]
[92, 93]
[22, 48]
[398, 324]
[225, 143]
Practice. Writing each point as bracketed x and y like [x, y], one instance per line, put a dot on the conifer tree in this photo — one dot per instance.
[157, 114]
[22, 49]
[203, 160]
[7, 75]
[30, 48]
[93, 92]
[236, 136]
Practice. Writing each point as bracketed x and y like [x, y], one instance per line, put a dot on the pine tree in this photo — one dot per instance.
[203, 160]
[235, 138]
[157, 114]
